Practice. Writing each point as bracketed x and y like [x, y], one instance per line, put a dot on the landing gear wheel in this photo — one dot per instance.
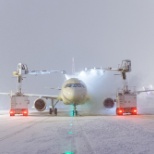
[50, 111]
[75, 112]
[55, 111]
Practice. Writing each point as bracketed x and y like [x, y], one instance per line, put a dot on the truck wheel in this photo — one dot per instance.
[12, 114]
[25, 114]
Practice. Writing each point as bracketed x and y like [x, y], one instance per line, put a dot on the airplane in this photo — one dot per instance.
[73, 92]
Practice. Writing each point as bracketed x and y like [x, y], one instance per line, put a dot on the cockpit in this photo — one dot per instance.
[74, 85]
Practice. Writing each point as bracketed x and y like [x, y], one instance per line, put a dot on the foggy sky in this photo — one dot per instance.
[46, 34]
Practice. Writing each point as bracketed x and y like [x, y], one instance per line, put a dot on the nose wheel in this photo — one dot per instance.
[75, 112]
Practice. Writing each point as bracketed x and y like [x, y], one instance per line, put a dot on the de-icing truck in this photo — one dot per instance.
[19, 105]
[126, 101]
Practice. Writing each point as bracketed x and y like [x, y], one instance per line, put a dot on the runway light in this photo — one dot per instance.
[70, 132]
[71, 113]
[69, 152]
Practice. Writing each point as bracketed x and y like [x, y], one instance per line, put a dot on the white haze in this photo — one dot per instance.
[105, 86]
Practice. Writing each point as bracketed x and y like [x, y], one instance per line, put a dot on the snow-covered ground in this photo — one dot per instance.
[45, 134]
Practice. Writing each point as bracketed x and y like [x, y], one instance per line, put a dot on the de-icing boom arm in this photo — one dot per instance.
[125, 67]
[22, 70]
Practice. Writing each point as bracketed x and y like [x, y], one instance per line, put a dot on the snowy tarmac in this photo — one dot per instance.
[45, 134]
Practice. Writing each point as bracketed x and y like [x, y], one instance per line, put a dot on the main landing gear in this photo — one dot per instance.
[53, 111]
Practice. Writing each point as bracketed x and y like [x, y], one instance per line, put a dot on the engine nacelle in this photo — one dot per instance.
[108, 103]
[40, 104]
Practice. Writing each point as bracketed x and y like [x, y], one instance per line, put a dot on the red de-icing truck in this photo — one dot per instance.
[19, 105]
[126, 102]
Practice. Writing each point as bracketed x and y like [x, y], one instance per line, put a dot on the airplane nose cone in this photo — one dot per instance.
[75, 95]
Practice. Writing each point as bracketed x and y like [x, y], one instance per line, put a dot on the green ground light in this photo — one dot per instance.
[70, 132]
[71, 113]
[69, 152]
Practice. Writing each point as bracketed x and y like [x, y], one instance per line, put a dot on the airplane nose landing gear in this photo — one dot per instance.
[75, 112]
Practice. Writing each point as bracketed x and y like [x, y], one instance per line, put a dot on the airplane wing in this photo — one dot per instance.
[8, 93]
[5, 93]
[42, 96]
[31, 95]
[37, 72]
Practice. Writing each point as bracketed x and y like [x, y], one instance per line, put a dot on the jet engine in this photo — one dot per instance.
[108, 103]
[40, 104]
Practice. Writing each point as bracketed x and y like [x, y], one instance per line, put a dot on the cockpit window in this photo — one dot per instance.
[74, 85]
[68, 85]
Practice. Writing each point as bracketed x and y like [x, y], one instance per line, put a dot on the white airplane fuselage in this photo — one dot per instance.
[73, 91]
